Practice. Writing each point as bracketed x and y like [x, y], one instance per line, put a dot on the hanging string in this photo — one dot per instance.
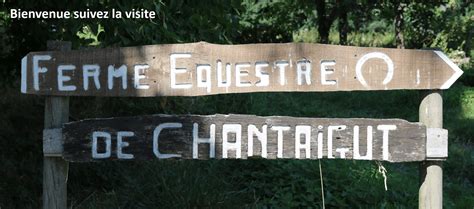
[322, 183]
[383, 171]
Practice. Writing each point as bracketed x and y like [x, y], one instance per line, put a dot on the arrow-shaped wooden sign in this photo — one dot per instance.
[204, 69]
[244, 136]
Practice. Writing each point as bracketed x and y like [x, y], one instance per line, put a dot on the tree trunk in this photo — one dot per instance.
[400, 41]
[343, 26]
[323, 28]
[470, 34]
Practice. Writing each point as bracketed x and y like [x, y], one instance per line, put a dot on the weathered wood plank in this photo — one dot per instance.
[164, 136]
[204, 69]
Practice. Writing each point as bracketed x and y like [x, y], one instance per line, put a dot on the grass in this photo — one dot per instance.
[233, 183]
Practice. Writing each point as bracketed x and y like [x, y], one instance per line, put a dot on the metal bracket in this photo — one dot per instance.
[436, 144]
[53, 142]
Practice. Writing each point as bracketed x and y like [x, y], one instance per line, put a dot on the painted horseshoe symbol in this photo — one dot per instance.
[371, 55]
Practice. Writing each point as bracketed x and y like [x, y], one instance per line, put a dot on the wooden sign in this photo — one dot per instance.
[242, 137]
[203, 69]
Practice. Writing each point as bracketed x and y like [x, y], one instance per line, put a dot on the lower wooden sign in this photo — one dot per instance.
[243, 137]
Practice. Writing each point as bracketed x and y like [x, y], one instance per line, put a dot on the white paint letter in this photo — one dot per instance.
[280, 130]
[227, 81]
[281, 66]
[305, 130]
[108, 144]
[37, 70]
[63, 78]
[121, 144]
[264, 77]
[90, 71]
[326, 70]
[303, 67]
[226, 145]
[385, 129]
[331, 129]
[156, 136]
[320, 142]
[211, 141]
[117, 73]
[200, 81]
[174, 70]
[368, 155]
[138, 76]
[342, 152]
[23, 74]
[261, 136]
[239, 73]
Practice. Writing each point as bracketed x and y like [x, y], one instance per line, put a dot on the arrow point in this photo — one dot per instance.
[457, 71]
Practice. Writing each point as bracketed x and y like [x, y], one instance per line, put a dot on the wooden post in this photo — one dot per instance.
[431, 172]
[55, 169]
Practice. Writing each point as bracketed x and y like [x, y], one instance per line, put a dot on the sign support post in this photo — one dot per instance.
[55, 168]
[431, 172]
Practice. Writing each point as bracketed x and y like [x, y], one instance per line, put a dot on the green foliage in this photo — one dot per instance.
[177, 21]
[455, 22]
[458, 177]
[92, 34]
[274, 21]
[306, 35]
